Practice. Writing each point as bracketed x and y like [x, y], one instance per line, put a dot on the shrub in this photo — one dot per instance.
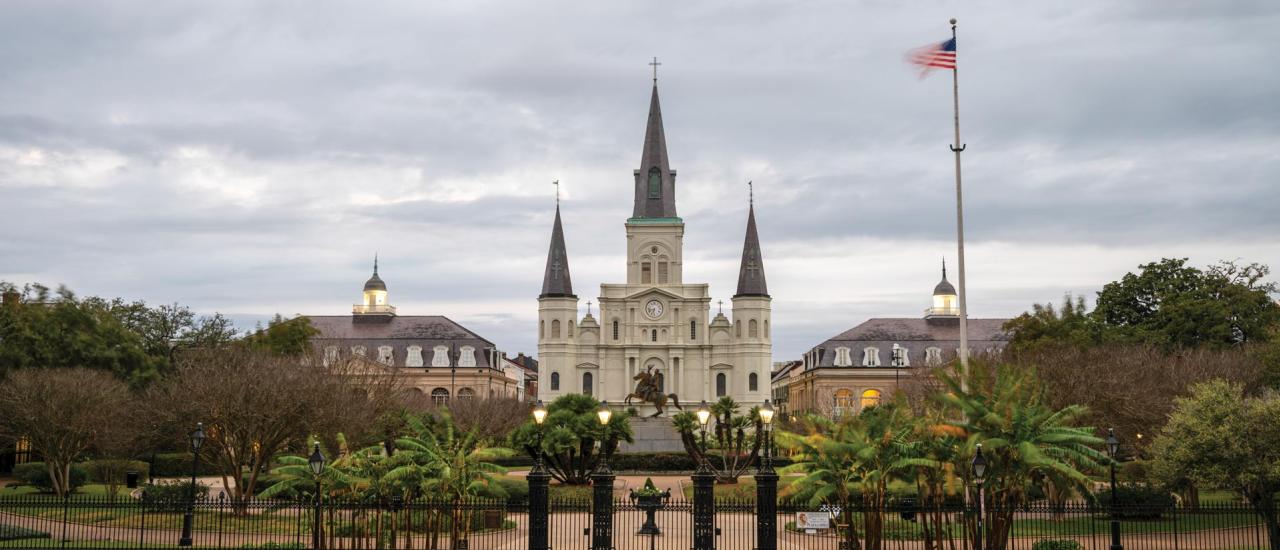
[171, 497]
[1055, 544]
[36, 474]
[517, 489]
[179, 465]
[1137, 501]
[274, 546]
[110, 470]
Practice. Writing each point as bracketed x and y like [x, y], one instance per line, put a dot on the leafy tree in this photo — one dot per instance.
[57, 330]
[570, 433]
[1043, 326]
[284, 336]
[1221, 437]
[738, 448]
[1026, 442]
[1169, 303]
[61, 412]
[862, 454]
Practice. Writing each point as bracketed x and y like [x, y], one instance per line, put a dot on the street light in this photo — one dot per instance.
[188, 519]
[539, 479]
[704, 416]
[539, 413]
[979, 469]
[604, 413]
[766, 418]
[602, 487]
[1113, 450]
[766, 485]
[316, 462]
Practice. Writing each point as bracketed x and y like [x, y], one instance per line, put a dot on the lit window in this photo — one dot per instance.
[870, 398]
[843, 402]
[871, 357]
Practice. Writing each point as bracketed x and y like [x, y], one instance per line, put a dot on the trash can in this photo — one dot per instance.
[131, 479]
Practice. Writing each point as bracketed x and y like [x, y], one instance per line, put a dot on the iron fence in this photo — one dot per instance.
[34, 521]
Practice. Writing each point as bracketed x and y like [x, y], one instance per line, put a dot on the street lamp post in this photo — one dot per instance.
[316, 462]
[602, 488]
[539, 495]
[188, 519]
[766, 485]
[704, 505]
[979, 469]
[1113, 451]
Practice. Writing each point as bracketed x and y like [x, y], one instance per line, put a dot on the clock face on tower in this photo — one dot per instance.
[653, 309]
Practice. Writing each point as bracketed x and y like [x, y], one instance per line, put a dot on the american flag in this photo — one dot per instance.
[934, 56]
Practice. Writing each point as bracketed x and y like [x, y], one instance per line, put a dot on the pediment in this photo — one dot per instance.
[651, 291]
[721, 366]
[588, 366]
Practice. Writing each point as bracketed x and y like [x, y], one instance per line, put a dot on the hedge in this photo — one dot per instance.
[1137, 501]
[100, 471]
[170, 497]
[36, 475]
[179, 465]
[1055, 544]
[643, 462]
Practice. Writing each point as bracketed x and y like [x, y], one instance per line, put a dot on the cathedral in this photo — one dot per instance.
[655, 323]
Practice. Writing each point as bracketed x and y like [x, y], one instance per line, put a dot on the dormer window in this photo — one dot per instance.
[385, 355]
[655, 183]
[843, 358]
[899, 357]
[440, 356]
[330, 355]
[358, 350]
[414, 357]
[871, 357]
[933, 356]
[467, 357]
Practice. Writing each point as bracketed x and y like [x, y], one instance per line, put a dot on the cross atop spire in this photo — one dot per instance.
[944, 268]
[751, 194]
[655, 65]
[375, 263]
[557, 184]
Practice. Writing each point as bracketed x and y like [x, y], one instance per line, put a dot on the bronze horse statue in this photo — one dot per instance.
[648, 389]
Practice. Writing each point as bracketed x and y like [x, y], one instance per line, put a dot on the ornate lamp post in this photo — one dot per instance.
[1113, 450]
[539, 495]
[979, 469]
[188, 519]
[316, 462]
[704, 504]
[602, 488]
[456, 356]
[766, 484]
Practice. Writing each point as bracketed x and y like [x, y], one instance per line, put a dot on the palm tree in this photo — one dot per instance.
[824, 457]
[1025, 441]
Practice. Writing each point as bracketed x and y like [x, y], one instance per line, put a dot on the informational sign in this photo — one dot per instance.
[812, 520]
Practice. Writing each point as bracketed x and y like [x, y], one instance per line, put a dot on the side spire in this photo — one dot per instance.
[655, 195]
[751, 281]
[555, 280]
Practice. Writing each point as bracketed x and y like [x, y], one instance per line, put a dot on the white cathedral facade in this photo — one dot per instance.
[655, 322]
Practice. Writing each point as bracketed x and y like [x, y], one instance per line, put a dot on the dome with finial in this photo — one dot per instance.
[375, 282]
[944, 287]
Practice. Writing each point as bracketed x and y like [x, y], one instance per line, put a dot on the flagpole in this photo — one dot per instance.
[958, 148]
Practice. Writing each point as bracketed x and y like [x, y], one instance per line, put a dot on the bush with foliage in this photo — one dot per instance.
[110, 470]
[570, 435]
[1055, 544]
[179, 465]
[171, 497]
[1137, 501]
[36, 474]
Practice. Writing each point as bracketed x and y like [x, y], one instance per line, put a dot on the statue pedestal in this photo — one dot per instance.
[653, 435]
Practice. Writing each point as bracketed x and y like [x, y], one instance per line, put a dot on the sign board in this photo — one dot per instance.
[812, 520]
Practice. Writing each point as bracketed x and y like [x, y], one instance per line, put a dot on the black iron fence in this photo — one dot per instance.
[93, 522]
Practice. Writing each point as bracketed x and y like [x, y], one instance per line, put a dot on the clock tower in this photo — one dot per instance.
[655, 322]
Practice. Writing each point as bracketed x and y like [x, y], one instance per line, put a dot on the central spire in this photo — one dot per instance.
[655, 180]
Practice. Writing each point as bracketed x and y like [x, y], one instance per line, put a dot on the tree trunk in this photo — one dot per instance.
[1264, 503]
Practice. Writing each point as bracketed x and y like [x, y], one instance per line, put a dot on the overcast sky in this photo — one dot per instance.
[250, 157]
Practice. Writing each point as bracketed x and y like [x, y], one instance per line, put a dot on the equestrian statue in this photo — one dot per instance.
[649, 390]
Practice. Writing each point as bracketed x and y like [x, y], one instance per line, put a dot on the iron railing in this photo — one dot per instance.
[92, 522]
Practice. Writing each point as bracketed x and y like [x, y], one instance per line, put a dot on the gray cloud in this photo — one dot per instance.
[249, 157]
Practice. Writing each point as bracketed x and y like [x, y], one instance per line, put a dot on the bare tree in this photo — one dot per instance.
[62, 412]
[256, 405]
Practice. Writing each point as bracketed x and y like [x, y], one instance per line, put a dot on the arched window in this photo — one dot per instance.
[653, 336]
[722, 385]
[843, 402]
[870, 398]
[542, 329]
[414, 357]
[571, 329]
[440, 396]
[737, 329]
[615, 329]
[693, 329]
[753, 382]
[646, 273]
[871, 357]
[587, 383]
[555, 328]
[663, 273]
[766, 328]
[753, 329]
[555, 381]
[466, 394]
